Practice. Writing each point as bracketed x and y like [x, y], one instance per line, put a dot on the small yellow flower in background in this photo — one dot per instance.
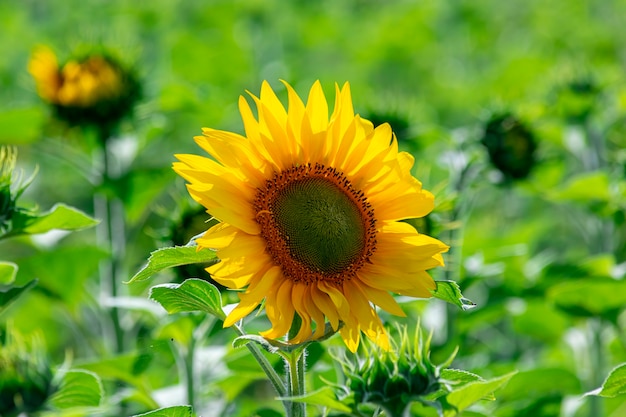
[310, 211]
[94, 89]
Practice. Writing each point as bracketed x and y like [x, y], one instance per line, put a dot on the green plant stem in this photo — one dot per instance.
[114, 239]
[267, 367]
[295, 363]
[596, 403]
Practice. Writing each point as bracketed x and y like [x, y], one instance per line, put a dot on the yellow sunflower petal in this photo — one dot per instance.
[253, 296]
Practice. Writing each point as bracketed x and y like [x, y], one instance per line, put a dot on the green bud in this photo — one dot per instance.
[511, 146]
[26, 377]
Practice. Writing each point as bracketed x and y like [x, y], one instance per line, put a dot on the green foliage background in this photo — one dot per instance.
[544, 258]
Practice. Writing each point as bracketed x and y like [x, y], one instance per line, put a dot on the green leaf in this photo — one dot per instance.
[192, 295]
[450, 292]
[586, 187]
[324, 396]
[8, 270]
[78, 389]
[614, 385]
[170, 257]
[589, 297]
[540, 382]
[10, 294]
[177, 411]
[60, 216]
[460, 399]
[242, 341]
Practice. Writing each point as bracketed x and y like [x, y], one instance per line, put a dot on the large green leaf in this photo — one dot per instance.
[589, 297]
[585, 187]
[459, 399]
[60, 216]
[78, 389]
[170, 257]
[192, 295]
[450, 292]
[8, 270]
[614, 385]
[177, 411]
[10, 294]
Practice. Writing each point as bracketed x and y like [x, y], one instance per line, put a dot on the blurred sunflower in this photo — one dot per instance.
[310, 211]
[92, 89]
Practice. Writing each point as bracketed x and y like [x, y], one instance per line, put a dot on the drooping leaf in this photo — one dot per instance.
[324, 397]
[165, 258]
[450, 292]
[8, 270]
[192, 295]
[78, 389]
[614, 385]
[459, 399]
[60, 216]
[176, 411]
[10, 294]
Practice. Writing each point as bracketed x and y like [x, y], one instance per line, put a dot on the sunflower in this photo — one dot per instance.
[94, 88]
[310, 211]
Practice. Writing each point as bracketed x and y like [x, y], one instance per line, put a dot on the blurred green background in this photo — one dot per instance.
[543, 257]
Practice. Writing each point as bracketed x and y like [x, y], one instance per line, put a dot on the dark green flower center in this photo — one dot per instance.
[315, 224]
[322, 224]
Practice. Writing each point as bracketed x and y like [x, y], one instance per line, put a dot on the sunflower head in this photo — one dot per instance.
[511, 146]
[310, 209]
[91, 89]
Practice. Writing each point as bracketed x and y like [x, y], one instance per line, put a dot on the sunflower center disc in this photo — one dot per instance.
[322, 226]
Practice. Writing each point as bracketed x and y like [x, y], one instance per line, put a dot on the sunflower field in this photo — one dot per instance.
[263, 208]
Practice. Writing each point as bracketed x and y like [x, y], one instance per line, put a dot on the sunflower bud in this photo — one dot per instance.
[93, 89]
[395, 378]
[26, 377]
[511, 146]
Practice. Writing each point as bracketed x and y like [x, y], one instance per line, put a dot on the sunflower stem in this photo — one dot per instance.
[295, 375]
[111, 211]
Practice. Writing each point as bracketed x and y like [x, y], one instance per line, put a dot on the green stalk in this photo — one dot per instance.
[114, 239]
[266, 366]
[596, 403]
[295, 373]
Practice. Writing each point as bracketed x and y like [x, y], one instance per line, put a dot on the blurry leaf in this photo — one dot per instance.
[192, 295]
[177, 411]
[325, 397]
[540, 320]
[78, 389]
[8, 270]
[585, 187]
[60, 216]
[19, 126]
[63, 271]
[539, 383]
[126, 367]
[169, 257]
[10, 294]
[450, 292]
[459, 399]
[614, 385]
[589, 297]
